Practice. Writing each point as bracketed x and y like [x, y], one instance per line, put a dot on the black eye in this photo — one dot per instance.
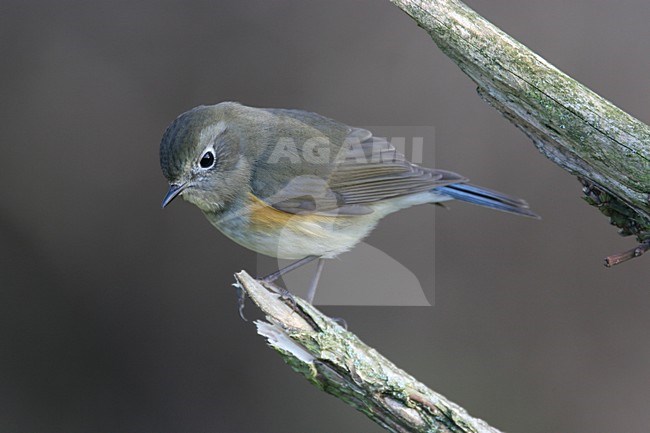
[207, 160]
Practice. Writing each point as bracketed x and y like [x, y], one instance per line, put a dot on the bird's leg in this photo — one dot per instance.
[284, 293]
[295, 265]
[269, 279]
[311, 292]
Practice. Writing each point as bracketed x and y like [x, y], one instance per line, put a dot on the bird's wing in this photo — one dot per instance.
[373, 170]
[359, 169]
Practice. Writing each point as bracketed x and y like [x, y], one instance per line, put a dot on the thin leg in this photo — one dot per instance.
[295, 265]
[314, 281]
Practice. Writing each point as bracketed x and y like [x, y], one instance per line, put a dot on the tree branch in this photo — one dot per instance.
[337, 362]
[580, 131]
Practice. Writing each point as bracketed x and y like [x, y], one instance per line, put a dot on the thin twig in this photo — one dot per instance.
[619, 258]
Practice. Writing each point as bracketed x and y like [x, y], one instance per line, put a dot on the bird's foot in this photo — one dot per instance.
[284, 294]
[340, 321]
[241, 300]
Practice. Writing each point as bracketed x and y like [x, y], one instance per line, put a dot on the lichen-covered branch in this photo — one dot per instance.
[336, 361]
[606, 148]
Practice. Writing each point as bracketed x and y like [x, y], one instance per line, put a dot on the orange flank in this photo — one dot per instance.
[264, 215]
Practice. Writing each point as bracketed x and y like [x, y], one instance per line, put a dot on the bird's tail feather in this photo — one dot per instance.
[488, 198]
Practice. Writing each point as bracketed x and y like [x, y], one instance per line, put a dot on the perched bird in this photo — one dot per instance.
[297, 185]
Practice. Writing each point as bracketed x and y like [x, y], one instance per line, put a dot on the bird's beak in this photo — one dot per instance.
[174, 190]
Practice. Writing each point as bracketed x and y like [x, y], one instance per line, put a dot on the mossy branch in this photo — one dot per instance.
[337, 362]
[606, 148]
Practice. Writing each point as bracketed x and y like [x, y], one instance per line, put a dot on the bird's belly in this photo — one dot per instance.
[274, 233]
[266, 230]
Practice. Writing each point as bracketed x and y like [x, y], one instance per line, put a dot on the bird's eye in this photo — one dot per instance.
[207, 160]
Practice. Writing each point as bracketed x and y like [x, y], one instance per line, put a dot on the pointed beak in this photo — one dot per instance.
[174, 191]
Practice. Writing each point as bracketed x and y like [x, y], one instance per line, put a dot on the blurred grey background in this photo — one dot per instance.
[118, 317]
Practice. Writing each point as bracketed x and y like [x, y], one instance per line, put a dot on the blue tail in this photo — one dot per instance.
[488, 198]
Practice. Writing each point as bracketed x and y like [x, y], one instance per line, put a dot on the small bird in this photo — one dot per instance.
[296, 185]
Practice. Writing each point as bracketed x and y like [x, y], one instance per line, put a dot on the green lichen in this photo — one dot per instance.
[601, 141]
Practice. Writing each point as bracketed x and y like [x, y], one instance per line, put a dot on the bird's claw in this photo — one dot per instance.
[288, 296]
[340, 321]
[284, 294]
[241, 300]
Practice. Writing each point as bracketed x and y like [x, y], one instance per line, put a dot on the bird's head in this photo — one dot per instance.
[200, 155]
